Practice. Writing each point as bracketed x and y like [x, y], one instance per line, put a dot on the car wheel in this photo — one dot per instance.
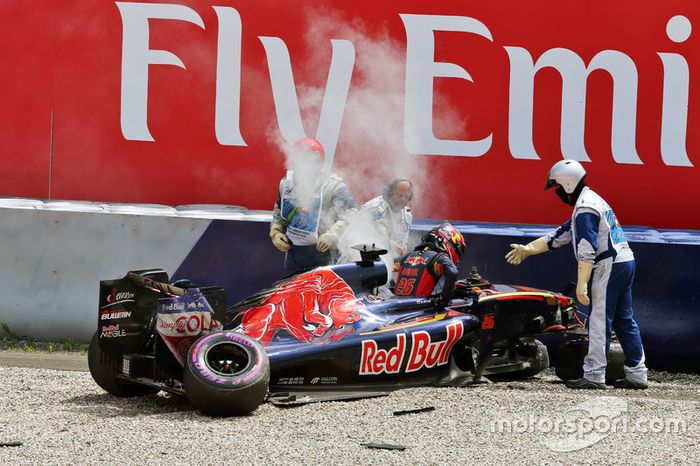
[531, 358]
[227, 374]
[105, 367]
[570, 357]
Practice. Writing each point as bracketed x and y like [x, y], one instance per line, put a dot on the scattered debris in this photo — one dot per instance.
[10, 444]
[414, 411]
[384, 446]
[515, 386]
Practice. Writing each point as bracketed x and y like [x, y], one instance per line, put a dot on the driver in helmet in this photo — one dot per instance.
[603, 253]
[431, 269]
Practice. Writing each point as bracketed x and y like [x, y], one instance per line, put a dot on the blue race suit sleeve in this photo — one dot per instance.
[587, 224]
[450, 272]
[560, 236]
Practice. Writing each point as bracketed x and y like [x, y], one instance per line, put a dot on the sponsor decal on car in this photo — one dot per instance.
[186, 324]
[290, 381]
[181, 320]
[424, 353]
[173, 307]
[114, 315]
[377, 361]
[112, 331]
[187, 315]
[324, 380]
[116, 296]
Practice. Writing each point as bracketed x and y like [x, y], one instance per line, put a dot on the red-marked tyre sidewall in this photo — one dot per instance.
[220, 393]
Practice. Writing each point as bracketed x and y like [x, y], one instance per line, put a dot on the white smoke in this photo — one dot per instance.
[370, 151]
[308, 175]
[362, 231]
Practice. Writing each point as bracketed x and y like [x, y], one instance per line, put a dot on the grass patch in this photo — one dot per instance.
[13, 342]
[67, 346]
[7, 334]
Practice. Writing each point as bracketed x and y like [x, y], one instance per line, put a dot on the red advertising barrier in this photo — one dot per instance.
[192, 101]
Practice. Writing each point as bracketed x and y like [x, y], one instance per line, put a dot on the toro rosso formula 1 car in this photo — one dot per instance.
[321, 335]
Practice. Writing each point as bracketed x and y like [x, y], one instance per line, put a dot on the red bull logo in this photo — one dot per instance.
[311, 306]
[425, 353]
[416, 260]
[112, 331]
[452, 235]
[375, 361]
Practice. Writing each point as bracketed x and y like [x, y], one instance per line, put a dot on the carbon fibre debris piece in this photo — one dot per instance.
[414, 411]
[10, 444]
[282, 399]
[383, 446]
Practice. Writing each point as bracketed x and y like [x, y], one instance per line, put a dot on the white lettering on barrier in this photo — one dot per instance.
[421, 71]
[574, 74]
[137, 56]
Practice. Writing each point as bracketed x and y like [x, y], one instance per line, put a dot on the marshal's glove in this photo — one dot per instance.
[279, 239]
[584, 274]
[325, 242]
[520, 252]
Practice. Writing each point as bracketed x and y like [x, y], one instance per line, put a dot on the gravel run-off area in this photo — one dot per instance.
[63, 417]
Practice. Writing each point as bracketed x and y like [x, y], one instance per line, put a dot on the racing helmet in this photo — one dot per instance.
[569, 178]
[447, 239]
[311, 146]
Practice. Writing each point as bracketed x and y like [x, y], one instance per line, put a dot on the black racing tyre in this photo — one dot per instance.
[570, 357]
[227, 374]
[104, 368]
[531, 358]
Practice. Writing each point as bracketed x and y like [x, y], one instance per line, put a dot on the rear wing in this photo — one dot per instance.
[128, 308]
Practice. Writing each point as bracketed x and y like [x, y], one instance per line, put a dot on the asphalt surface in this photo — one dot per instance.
[59, 416]
[40, 360]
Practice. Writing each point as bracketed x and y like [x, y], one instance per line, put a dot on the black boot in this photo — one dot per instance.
[630, 384]
[584, 384]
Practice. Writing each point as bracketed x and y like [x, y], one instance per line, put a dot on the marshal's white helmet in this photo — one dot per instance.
[566, 173]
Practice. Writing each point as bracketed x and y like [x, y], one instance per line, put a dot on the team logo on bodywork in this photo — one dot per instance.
[424, 353]
[316, 305]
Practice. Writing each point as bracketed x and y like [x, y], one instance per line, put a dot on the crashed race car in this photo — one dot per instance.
[325, 334]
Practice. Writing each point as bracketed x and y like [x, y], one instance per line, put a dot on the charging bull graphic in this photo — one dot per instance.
[417, 260]
[316, 305]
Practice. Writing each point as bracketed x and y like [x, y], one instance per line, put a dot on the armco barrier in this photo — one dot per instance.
[54, 253]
